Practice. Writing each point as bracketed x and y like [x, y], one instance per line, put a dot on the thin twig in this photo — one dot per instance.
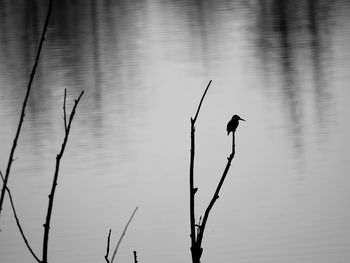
[135, 257]
[64, 110]
[121, 237]
[18, 223]
[54, 183]
[200, 103]
[108, 242]
[10, 160]
[215, 197]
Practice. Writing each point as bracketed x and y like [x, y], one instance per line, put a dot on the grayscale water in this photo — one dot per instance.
[281, 65]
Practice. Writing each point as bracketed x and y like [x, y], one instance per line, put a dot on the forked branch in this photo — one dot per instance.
[197, 237]
[54, 182]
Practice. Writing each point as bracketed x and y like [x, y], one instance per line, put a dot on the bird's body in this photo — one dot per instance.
[233, 124]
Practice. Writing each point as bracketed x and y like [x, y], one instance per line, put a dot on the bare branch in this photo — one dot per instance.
[24, 107]
[64, 110]
[215, 196]
[135, 257]
[193, 190]
[54, 182]
[18, 223]
[200, 103]
[196, 239]
[121, 237]
[108, 242]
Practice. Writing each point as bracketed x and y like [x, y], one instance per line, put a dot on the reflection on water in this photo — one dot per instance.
[295, 35]
[143, 64]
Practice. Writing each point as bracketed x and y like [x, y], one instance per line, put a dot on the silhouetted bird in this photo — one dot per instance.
[233, 124]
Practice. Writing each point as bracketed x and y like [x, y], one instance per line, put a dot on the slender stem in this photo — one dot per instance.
[54, 183]
[18, 223]
[108, 242]
[10, 160]
[64, 110]
[135, 257]
[200, 103]
[215, 197]
[192, 191]
[233, 143]
[123, 234]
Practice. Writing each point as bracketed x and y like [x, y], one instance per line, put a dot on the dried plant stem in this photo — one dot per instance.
[123, 234]
[212, 201]
[54, 182]
[135, 257]
[108, 242]
[14, 145]
[18, 223]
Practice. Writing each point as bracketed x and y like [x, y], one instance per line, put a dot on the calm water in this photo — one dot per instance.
[281, 65]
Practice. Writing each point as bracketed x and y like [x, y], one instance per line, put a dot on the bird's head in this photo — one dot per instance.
[236, 117]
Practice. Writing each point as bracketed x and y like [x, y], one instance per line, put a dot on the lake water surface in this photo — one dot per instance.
[281, 65]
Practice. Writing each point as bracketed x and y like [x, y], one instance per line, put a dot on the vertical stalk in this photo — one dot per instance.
[196, 250]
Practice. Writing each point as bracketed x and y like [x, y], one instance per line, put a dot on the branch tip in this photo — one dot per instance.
[200, 103]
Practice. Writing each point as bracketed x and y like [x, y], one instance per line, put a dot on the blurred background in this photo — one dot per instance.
[281, 65]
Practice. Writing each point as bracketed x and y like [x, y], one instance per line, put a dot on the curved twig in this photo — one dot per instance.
[200, 103]
[121, 237]
[18, 223]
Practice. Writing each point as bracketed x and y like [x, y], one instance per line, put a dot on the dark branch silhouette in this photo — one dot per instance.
[108, 242]
[197, 237]
[123, 234]
[200, 103]
[18, 223]
[54, 183]
[14, 145]
[194, 249]
[135, 257]
[52, 193]
[64, 110]
[214, 198]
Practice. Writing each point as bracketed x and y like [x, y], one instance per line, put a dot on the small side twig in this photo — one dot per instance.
[64, 110]
[54, 182]
[135, 257]
[200, 103]
[214, 198]
[121, 237]
[18, 223]
[108, 242]
[31, 78]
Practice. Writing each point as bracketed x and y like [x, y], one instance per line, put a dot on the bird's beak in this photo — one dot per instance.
[242, 119]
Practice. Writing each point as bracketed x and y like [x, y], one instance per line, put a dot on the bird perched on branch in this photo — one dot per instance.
[233, 124]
